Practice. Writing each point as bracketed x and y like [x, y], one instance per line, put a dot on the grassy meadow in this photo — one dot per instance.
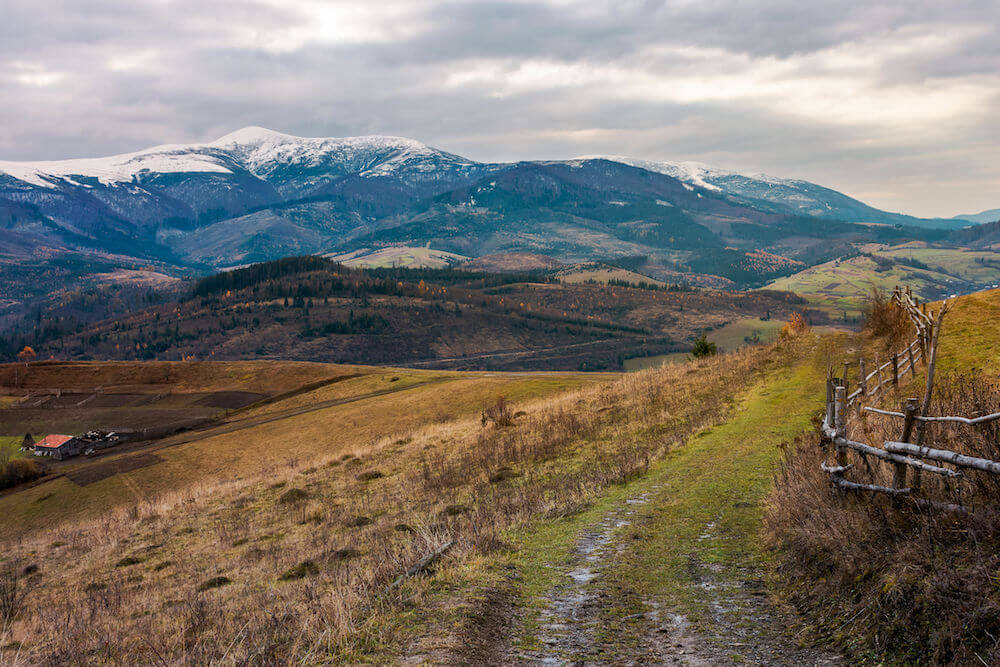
[336, 501]
[10, 447]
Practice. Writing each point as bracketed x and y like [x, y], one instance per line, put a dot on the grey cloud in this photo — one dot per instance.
[198, 74]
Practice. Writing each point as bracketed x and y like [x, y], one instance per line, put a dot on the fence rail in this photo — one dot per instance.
[906, 453]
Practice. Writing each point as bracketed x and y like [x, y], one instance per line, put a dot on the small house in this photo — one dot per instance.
[60, 447]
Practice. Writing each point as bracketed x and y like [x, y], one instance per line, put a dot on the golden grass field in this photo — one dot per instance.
[275, 543]
[413, 399]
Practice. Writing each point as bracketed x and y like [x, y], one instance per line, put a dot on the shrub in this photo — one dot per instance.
[359, 521]
[499, 413]
[19, 471]
[127, 561]
[293, 496]
[304, 569]
[885, 320]
[703, 348]
[796, 326]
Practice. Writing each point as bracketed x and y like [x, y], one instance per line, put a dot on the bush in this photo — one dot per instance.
[796, 326]
[885, 320]
[499, 413]
[703, 348]
[19, 471]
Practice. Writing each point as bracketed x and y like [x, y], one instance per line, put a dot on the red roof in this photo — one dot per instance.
[53, 441]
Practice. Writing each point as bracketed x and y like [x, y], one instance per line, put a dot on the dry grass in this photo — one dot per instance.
[247, 453]
[910, 584]
[886, 322]
[229, 572]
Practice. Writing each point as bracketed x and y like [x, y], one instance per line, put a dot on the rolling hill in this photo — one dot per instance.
[312, 308]
[841, 286]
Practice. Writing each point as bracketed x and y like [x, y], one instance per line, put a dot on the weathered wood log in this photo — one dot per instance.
[836, 470]
[954, 458]
[944, 507]
[862, 382]
[972, 421]
[829, 400]
[854, 486]
[935, 329]
[892, 457]
[420, 565]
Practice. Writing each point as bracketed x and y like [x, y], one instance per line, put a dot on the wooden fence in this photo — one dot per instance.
[907, 456]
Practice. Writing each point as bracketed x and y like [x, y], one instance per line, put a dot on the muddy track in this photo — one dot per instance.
[742, 625]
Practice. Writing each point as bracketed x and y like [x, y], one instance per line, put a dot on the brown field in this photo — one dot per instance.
[327, 419]
[174, 376]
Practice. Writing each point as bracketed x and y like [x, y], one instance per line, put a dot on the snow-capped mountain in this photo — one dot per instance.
[258, 194]
[266, 154]
[790, 195]
[185, 186]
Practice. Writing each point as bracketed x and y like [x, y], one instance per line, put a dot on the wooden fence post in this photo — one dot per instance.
[899, 469]
[840, 423]
[829, 401]
[913, 364]
[895, 369]
[862, 384]
[929, 338]
[879, 380]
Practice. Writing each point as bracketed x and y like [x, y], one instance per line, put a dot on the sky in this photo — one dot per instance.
[896, 102]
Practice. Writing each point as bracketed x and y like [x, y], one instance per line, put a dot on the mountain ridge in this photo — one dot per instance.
[256, 194]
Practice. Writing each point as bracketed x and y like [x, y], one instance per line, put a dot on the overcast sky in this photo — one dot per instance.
[896, 103]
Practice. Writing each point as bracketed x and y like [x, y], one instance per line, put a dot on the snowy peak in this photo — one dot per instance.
[258, 150]
[116, 168]
[252, 135]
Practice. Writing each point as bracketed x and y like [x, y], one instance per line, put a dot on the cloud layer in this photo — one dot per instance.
[897, 102]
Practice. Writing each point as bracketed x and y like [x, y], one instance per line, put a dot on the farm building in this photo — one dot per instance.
[60, 446]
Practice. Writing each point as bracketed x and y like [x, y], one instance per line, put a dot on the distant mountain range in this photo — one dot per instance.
[992, 215]
[256, 195]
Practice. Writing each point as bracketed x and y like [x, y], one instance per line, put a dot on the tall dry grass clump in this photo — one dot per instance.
[885, 322]
[296, 566]
[913, 583]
